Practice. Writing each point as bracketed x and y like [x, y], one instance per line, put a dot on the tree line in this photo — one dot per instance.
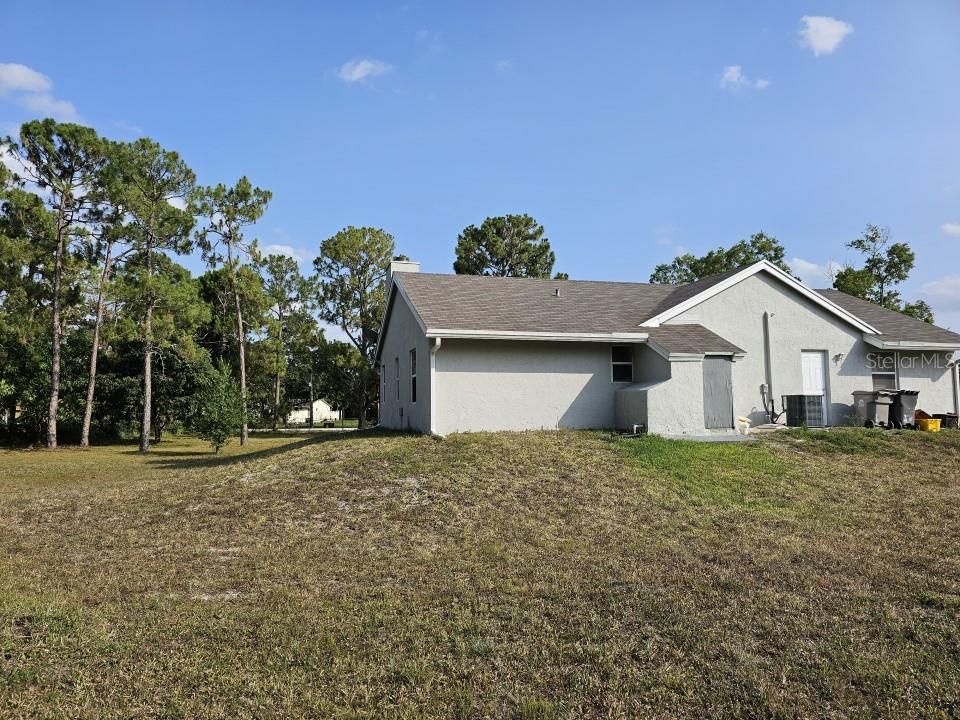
[104, 334]
[515, 245]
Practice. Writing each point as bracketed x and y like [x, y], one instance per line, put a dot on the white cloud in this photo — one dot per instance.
[944, 293]
[813, 274]
[33, 91]
[298, 254]
[944, 297]
[504, 65]
[734, 79]
[49, 106]
[823, 34]
[951, 229]
[178, 202]
[19, 78]
[359, 71]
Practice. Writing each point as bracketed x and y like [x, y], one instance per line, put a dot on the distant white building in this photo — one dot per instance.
[322, 410]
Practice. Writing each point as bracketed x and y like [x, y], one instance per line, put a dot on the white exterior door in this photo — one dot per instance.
[815, 377]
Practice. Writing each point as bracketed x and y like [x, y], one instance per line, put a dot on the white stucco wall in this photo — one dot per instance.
[928, 373]
[667, 398]
[403, 334]
[520, 385]
[796, 324]
[675, 407]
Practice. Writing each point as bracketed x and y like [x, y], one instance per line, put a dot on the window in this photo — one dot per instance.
[413, 376]
[884, 381]
[884, 367]
[621, 360]
[396, 372]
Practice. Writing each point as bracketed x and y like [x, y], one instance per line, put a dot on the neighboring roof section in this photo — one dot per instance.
[691, 339]
[895, 327]
[478, 302]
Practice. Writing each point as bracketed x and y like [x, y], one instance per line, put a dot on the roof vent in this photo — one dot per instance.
[556, 292]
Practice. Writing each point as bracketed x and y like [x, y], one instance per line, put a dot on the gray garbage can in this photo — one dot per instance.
[904, 408]
[872, 407]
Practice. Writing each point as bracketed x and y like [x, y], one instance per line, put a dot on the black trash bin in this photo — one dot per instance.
[948, 421]
[904, 409]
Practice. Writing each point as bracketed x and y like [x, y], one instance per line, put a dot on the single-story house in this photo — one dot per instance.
[322, 410]
[468, 353]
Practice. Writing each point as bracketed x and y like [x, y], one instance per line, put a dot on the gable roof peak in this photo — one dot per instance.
[691, 295]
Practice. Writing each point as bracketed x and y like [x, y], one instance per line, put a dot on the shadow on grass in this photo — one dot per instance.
[195, 460]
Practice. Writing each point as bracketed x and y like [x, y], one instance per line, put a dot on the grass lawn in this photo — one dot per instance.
[532, 575]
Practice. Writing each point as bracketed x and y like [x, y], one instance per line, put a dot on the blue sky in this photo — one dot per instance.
[632, 131]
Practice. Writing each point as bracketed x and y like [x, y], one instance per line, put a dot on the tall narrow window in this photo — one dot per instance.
[413, 376]
[396, 372]
[621, 364]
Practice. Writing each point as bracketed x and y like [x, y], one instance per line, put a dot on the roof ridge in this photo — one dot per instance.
[501, 278]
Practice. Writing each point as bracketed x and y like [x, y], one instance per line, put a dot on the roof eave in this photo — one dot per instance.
[879, 341]
[473, 334]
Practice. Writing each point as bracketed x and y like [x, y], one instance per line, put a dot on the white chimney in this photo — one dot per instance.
[403, 266]
[400, 264]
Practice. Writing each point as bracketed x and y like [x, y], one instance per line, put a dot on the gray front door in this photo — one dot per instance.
[717, 392]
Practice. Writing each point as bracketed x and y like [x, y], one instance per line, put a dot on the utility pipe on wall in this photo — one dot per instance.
[768, 404]
[435, 344]
[956, 385]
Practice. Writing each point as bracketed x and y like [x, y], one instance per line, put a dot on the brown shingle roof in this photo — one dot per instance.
[894, 326]
[483, 303]
[478, 302]
[692, 339]
[689, 290]
[496, 304]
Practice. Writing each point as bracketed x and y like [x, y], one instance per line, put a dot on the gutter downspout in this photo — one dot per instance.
[956, 385]
[768, 402]
[435, 344]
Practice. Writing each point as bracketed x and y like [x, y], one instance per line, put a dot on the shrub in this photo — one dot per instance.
[218, 412]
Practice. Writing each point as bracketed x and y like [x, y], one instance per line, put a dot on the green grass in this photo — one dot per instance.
[715, 474]
[345, 423]
[535, 575]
